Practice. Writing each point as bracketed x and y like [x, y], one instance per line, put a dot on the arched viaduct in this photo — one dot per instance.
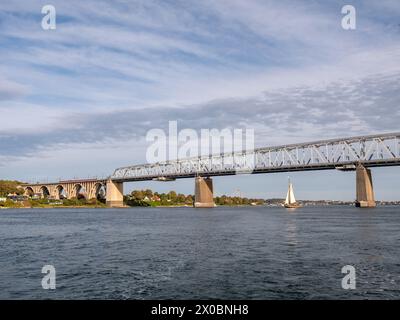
[68, 189]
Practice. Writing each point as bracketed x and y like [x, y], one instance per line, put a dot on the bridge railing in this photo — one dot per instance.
[63, 181]
[373, 150]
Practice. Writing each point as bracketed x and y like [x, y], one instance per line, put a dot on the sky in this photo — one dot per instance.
[78, 101]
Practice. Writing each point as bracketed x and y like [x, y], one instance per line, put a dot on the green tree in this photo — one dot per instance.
[181, 198]
[8, 186]
[148, 193]
[172, 196]
[189, 199]
[137, 195]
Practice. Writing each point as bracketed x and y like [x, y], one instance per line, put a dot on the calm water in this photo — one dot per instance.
[182, 253]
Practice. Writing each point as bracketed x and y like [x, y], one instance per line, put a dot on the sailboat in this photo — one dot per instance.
[290, 201]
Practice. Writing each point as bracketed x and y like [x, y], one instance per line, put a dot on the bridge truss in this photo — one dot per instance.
[343, 154]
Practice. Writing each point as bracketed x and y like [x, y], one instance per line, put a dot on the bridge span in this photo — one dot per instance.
[357, 154]
[68, 189]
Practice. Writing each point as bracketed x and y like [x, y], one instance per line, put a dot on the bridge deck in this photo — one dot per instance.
[343, 154]
[372, 151]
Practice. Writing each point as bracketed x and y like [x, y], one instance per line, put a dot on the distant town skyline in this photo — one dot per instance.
[78, 100]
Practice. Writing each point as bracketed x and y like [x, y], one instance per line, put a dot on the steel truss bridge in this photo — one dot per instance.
[343, 154]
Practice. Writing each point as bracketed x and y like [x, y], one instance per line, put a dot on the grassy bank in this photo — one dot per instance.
[44, 203]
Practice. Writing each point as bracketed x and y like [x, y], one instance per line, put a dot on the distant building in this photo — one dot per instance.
[17, 198]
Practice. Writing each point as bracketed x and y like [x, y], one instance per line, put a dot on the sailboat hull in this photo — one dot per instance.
[292, 205]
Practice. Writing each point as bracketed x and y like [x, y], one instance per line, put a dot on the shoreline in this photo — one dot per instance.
[56, 207]
[187, 206]
[166, 207]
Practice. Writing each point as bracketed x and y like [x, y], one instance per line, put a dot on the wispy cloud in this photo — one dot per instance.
[285, 115]
[10, 90]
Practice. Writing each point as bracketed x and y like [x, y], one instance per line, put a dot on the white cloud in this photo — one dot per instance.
[11, 90]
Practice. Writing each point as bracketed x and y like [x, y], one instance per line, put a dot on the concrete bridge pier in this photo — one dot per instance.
[114, 194]
[365, 189]
[203, 193]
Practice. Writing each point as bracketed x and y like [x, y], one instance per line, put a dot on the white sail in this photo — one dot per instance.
[290, 199]
[287, 197]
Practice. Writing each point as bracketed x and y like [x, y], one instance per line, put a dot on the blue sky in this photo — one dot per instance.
[77, 101]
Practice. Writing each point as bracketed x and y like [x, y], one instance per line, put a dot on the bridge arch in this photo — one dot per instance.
[98, 191]
[29, 191]
[80, 191]
[44, 190]
[61, 192]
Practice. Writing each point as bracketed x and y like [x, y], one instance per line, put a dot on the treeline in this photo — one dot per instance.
[150, 198]
[237, 201]
[10, 187]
